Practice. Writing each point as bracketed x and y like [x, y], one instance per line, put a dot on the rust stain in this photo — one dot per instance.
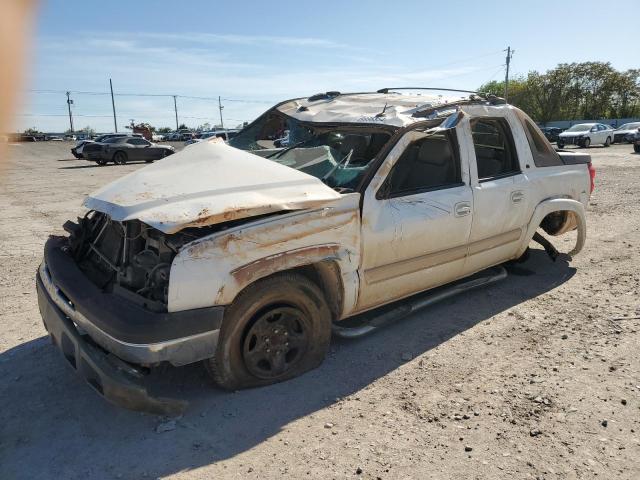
[283, 261]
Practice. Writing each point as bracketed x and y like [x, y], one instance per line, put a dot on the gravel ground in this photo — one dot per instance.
[534, 377]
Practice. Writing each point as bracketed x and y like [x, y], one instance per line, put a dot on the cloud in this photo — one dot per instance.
[249, 67]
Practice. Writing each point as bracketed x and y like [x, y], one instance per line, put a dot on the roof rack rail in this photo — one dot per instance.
[386, 90]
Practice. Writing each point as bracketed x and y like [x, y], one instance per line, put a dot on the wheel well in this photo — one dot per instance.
[559, 222]
[326, 275]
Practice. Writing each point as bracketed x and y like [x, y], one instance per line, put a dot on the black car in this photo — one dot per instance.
[121, 150]
[551, 133]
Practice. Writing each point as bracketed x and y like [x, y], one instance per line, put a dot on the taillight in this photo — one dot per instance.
[592, 174]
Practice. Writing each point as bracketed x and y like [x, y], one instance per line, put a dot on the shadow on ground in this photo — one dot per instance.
[55, 426]
[95, 165]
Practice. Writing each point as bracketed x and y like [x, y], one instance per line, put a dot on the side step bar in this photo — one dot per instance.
[368, 322]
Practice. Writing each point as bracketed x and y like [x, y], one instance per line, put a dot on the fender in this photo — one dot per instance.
[212, 270]
[553, 205]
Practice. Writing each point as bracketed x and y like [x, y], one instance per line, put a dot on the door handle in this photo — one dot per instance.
[462, 208]
[517, 196]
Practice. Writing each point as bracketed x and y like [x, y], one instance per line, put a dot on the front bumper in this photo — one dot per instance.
[571, 140]
[107, 375]
[124, 328]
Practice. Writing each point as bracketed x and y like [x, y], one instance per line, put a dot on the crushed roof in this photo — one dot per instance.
[366, 107]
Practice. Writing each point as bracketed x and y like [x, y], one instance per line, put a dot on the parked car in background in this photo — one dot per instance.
[205, 135]
[552, 133]
[158, 137]
[55, 139]
[71, 138]
[78, 149]
[586, 134]
[121, 150]
[634, 138]
[625, 133]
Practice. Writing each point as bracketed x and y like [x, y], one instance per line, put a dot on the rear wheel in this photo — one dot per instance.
[120, 158]
[276, 329]
[607, 142]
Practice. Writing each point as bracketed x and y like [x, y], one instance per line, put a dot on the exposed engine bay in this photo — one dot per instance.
[128, 258]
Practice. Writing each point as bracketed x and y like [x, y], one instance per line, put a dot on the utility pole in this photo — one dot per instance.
[175, 108]
[113, 106]
[69, 103]
[220, 107]
[506, 77]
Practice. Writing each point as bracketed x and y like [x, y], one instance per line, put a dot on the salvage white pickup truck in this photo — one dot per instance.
[246, 256]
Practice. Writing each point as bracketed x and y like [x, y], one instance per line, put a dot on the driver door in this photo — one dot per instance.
[416, 223]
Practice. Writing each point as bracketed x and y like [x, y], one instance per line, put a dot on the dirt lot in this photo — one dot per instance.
[534, 377]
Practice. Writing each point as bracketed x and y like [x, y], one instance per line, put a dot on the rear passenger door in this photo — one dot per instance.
[499, 194]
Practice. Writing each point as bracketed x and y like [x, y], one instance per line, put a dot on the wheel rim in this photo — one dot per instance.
[275, 343]
[587, 142]
[120, 158]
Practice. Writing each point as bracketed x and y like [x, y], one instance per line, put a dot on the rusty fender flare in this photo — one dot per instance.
[246, 274]
[554, 205]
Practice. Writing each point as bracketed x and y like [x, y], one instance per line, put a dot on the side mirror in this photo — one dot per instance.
[593, 129]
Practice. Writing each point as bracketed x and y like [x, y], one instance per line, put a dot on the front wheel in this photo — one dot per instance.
[607, 142]
[560, 144]
[586, 142]
[276, 329]
[120, 158]
[636, 148]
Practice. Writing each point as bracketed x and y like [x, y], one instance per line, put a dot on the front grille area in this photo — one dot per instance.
[129, 258]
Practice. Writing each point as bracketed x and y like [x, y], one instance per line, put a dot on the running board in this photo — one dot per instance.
[368, 322]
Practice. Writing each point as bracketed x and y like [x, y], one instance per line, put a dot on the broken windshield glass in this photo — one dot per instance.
[339, 155]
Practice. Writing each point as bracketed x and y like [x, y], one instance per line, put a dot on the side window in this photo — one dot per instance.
[430, 163]
[541, 150]
[495, 151]
[137, 141]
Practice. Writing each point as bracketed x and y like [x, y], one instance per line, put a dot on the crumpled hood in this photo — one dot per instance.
[208, 183]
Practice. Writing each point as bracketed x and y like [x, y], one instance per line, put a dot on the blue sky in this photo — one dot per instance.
[255, 53]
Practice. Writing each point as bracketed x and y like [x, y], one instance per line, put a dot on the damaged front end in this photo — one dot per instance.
[129, 258]
[102, 294]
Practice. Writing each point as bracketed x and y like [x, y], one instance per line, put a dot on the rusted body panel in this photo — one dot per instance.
[213, 269]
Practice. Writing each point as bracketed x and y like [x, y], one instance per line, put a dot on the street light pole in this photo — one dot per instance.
[69, 102]
[220, 107]
[113, 105]
[175, 108]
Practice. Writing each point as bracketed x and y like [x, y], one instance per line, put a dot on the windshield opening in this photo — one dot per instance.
[339, 156]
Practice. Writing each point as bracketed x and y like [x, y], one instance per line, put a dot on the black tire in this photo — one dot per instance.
[120, 158]
[259, 326]
[607, 142]
[586, 143]
[636, 148]
[560, 145]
